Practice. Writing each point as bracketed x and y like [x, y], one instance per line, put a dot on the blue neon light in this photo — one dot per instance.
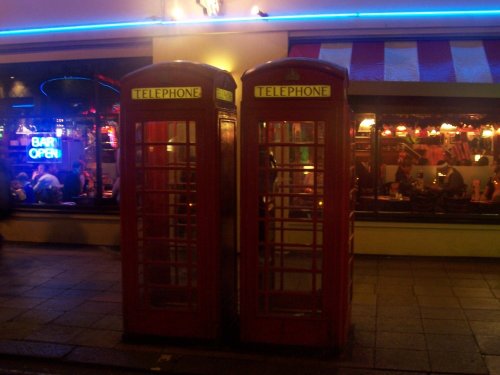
[23, 105]
[327, 16]
[55, 29]
[300, 17]
[42, 85]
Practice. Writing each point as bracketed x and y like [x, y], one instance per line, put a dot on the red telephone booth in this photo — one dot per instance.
[177, 201]
[296, 204]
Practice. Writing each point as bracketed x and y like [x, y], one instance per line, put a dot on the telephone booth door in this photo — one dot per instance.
[177, 201]
[296, 206]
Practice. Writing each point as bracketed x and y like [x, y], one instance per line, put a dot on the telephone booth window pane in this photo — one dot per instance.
[291, 169]
[166, 208]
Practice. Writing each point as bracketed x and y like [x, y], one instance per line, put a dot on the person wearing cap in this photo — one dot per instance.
[449, 181]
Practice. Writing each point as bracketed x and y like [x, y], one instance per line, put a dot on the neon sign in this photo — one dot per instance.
[44, 148]
[296, 17]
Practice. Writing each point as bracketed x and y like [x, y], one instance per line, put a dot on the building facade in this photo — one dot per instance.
[411, 70]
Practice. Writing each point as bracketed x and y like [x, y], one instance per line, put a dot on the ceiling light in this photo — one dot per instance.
[256, 11]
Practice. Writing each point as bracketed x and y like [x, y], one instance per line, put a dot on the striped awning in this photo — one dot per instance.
[466, 61]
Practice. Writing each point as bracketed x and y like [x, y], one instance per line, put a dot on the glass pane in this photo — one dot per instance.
[291, 170]
[167, 196]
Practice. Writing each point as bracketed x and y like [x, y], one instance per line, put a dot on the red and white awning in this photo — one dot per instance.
[470, 61]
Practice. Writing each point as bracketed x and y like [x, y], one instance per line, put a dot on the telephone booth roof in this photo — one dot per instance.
[180, 74]
[267, 70]
[296, 71]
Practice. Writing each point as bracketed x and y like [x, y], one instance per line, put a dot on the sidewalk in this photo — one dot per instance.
[410, 315]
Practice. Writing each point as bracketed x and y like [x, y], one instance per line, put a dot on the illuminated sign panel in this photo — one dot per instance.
[224, 95]
[293, 91]
[44, 148]
[163, 93]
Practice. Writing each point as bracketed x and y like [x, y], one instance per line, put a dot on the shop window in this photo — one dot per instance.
[426, 164]
[64, 161]
[60, 119]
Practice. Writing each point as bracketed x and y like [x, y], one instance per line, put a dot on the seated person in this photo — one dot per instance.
[364, 178]
[73, 183]
[37, 173]
[492, 190]
[48, 187]
[448, 181]
[16, 191]
[403, 176]
[22, 189]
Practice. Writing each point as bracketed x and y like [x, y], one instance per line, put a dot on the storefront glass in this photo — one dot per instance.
[59, 130]
[445, 165]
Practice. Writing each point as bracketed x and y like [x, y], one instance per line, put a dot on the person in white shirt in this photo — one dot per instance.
[48, 188]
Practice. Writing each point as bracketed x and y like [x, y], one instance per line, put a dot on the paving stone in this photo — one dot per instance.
[42, 292]
[457, 362]
[438, 301]
[485, 328]
[472, 292]
[493, 364]
[407, 325]
[364, 338]
[398, 340]
[36, 349]
[78, 319]
[23, 302]
[17, 330]
[470, 283]
[389, 281]
[364, 299]
[396, 300]
[99, 307]
[485, 315]
[441, 313]
[451, 343]
[117, 358]
[480, 303]
[454, 326]
[489, 344]
[433, 290]
[98, 338]
[403, 290]
[8, 313]
[402, 312]
[399, 359]
[110, 322]
[38, 316]
[54, 333]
